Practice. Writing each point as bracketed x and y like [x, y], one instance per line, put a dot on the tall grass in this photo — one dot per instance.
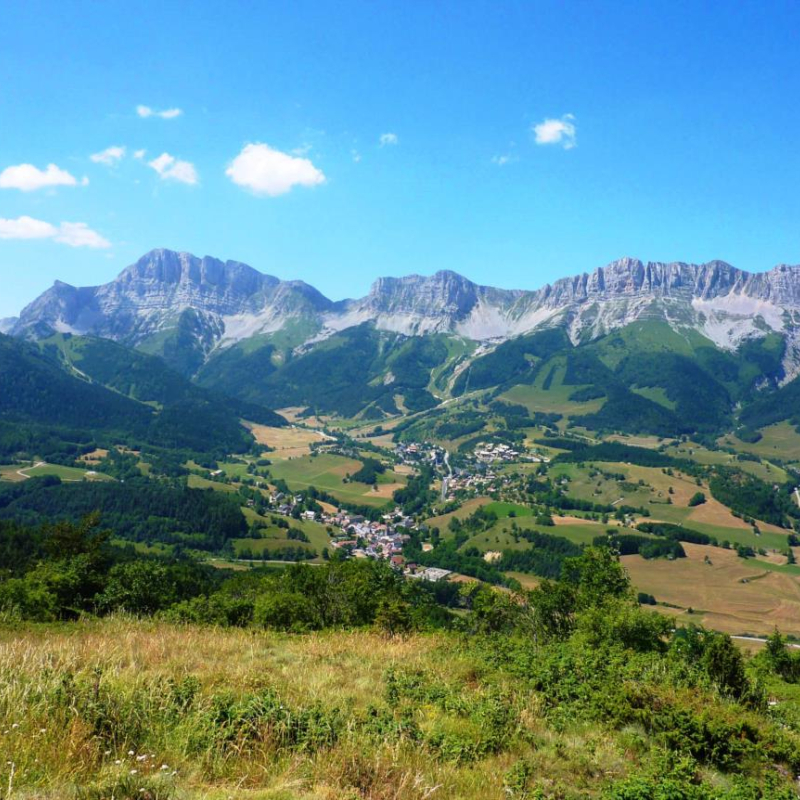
[121, 708]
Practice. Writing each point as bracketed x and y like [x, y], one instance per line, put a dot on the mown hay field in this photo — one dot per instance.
[716, 592]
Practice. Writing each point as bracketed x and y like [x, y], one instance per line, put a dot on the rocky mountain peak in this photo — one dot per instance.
[229, 301]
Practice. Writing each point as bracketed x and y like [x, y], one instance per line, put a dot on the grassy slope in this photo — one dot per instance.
[717, 593]
[275, 537]
[777, 441]
[140, 709]
[328, 472]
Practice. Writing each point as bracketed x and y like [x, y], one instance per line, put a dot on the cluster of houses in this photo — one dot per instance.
[414, 453]
[491, 452]
[360, 537]
[364, 538]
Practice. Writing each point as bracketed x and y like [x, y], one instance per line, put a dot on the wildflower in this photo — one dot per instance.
[117, 761]
[15, 725]
[141, 758]
[131, 752]
[134, 771]
[164, 766]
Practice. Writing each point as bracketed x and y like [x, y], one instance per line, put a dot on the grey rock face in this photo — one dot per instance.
[151, 294]
[235, 301]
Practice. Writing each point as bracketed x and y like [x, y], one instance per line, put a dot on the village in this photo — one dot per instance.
[482, 471]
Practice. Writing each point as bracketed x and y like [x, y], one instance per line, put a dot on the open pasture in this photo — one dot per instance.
[11, 473]
[501, 536]
[40, 469]
[730, 594]
[288, 442]
[328, 472]
[764, 470]
[548, 393]
[468, 507]
[780, 441]
[199, 482]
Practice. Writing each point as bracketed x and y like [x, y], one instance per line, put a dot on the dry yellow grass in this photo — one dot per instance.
[290, 442]
[95, 457]
[387, 489]
[716, 591]
[637, 441]
[11, 473]
[713, 512]
[572, 521]
[466, 508]
[682, 487]
[334, 669]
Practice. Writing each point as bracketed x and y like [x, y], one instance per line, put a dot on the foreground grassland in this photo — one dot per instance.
[125, 709]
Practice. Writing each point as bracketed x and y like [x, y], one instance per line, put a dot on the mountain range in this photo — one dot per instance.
[229, 302]
[413, 341]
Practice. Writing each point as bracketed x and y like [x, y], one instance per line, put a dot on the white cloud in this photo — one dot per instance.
[140, 154]
[502, 161]
[170, 168]
[109, 156]
[28, 178]
[169, 113]
[388, 138]
[264, 170]
[356, 155]
[79, 234]
[74, 234]
[26, 228]
[557, 131]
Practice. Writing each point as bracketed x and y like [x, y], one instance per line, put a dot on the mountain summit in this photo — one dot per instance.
[168, 299]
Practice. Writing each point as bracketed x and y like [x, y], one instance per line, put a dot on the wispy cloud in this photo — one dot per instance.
[266, 171]
[503, 160]
[74, 234]
[169, 113]
[79, 234]
[356, 155]
[557, 131]
[170, 168]
[140, 154]
[28, 178]
[110, 156]
[388, 139]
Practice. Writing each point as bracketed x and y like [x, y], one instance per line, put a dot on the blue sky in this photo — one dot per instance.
[335, 142]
